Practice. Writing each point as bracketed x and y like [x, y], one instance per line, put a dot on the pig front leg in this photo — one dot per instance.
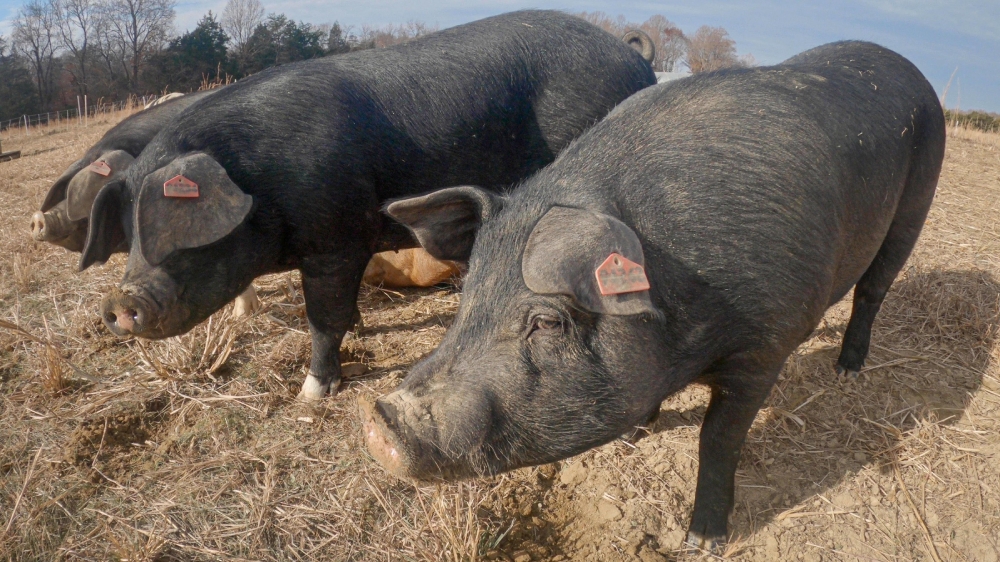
[330, 284]
[739, 388]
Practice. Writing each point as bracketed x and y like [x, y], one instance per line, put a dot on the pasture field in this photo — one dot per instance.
[193, 448]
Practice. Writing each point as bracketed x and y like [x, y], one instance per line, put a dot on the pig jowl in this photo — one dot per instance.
[292, 165]
[747, 201]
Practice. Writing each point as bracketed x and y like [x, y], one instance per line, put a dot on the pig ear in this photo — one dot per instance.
[85, 185]
[58, 190]
[105, 232]
[188, 203]
[593, 258]
[445, 222]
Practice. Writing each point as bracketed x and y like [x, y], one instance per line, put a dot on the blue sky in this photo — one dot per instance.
[937, 35]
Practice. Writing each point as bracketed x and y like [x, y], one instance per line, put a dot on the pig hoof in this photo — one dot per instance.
[246, 304]
[848, 373]
[699, 544]
[313, 390]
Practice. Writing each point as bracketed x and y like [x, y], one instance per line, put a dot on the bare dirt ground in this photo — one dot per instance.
[194, 449]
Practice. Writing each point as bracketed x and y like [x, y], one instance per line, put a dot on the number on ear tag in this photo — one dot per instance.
[180, 186]
[101, 168]
[619, 274]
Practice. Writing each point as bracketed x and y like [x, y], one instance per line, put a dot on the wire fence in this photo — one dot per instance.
[79, 116]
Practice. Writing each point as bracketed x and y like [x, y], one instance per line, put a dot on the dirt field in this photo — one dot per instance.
[194, 449]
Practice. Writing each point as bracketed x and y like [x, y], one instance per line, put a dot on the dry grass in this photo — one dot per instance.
[194, 449]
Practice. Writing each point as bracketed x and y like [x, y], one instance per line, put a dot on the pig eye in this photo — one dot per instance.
[545, 323]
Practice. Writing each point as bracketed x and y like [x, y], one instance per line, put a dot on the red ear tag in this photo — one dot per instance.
[180, 186]
[619, 274]
[101, 168]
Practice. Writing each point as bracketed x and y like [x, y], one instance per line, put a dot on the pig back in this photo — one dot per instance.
[774, 186]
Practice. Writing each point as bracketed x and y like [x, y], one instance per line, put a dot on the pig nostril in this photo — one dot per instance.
[127, 316]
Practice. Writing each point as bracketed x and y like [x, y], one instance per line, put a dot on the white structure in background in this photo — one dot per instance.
[662, 77]
[162, 99]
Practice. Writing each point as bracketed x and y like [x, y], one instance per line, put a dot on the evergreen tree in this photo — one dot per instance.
[280, 40]
[189, 58]
[337, 43]
[17, 92]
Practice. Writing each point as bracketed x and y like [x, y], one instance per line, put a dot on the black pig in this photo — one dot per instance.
[698, 233]
[288, 168]
[62, 219]
[64, 215]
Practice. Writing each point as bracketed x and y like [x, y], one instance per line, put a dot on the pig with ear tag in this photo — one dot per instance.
[62, 220]
[65, 223]
[288, 169]
[696, 234]
[65, 213]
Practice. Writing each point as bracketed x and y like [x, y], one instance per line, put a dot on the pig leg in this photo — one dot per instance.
[330, 284]
[739, 388]
[247, 303]
[871, 289]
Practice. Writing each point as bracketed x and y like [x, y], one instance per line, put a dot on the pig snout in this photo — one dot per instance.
[38, 231]
[48, 227]
[383, 442]
[53, 227]
[428, 438]
[124, 314]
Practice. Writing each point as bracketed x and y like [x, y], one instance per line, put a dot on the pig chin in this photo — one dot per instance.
[74, 242]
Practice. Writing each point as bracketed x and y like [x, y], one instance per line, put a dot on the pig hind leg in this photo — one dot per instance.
[871, 289]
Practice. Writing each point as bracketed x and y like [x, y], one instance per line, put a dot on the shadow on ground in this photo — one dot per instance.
[931, 346]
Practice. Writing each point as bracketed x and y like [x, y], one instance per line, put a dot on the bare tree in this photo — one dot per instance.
[671, 44]
[668, 39]
[110, 53]
[136, 29]
[239, 19]
[389, 35]
[75, 20]
[34, 30]
[616, 27]
[711, 48]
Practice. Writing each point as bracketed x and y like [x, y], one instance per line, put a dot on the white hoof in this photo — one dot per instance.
[696, 543]
[247, 303]
[312, 390]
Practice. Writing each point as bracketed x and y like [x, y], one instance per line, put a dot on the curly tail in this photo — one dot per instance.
[642, 43]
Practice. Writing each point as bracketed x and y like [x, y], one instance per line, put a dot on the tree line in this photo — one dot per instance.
[707, 49]
[110, 49]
